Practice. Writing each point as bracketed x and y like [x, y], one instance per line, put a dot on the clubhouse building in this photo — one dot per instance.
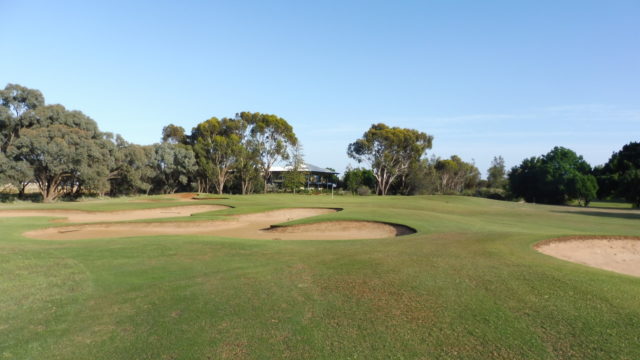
[316, 177]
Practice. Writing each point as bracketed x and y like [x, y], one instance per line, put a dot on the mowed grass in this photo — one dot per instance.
[611, 204]
[467, 285]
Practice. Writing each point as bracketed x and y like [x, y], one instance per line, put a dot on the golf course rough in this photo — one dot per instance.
[469, 284]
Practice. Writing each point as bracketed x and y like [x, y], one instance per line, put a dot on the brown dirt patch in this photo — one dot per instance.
[76, 216]
[614, 253]
[247, 226]
[183, 196]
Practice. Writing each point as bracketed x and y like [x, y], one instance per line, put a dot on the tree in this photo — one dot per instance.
[62, 150]
[389, 151]
[357, 177]
[173, 164]
[132, 170]
[295, 177]
[16, 101]
[620, 176]
[582, 188]
[17, 173]
[247, 169]
[454, 175]
[57, 154]
[496, 174]
[270, 138]
[217, 145]
[553, 178]
[630, 186]
[173, 134]
[422, 178]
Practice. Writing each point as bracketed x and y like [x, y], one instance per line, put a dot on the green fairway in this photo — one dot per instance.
[467, 285]
[611, 204]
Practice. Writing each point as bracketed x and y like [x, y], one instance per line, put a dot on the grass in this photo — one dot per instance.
[467, 285]
[611, 204]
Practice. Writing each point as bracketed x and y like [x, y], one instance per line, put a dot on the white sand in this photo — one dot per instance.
[621, 255]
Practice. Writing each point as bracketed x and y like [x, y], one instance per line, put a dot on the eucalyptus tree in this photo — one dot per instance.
[217, 144]
[496, 174]
[246, 171]
[17, 101]
[132, 170]
[390, 151]
[59, 153]
[174, 134]
[456, 175]
[295, 175]
[173, 165]
[270, 137]
[60, 150]
[17, 173]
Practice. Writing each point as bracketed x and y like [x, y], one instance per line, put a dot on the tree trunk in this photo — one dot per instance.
[220, 184]
[246, 186]
[21, 191]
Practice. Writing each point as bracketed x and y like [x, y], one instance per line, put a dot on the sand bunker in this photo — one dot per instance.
[332, 230]
[619, 254]
[248, 226]
[76, 216]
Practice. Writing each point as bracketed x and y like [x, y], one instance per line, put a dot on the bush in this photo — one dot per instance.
[363, 190]
[492, 193]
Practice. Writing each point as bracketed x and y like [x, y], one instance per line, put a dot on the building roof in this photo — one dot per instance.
[306, 167]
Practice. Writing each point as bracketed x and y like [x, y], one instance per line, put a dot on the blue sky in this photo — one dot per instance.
[486, 78]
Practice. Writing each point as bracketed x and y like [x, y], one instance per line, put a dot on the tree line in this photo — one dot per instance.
[64, 154]
[562, 176]
[397, 165]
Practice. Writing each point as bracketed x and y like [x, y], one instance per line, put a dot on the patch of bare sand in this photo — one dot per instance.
[619, 254]
[76, 216]
[247, 226]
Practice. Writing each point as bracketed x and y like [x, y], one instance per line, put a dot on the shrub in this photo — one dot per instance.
[363, 190]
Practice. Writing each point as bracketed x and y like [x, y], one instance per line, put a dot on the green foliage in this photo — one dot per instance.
[61, 150]
[133, 171]
[269, 138]
[389, 151]
[296, 177]
[630, 186]
[17, 103]
[217, 145]
[355, 178]
[363, 190]
[247, 171]
[174, 134]
[455, 176]
[173, 164]
[496, 174]
[61, 156]
[555, 178]
[492, 193]
[582, 188]
[17, 173]
[620, 176]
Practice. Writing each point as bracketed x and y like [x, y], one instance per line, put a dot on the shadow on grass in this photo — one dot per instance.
[608, 214]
